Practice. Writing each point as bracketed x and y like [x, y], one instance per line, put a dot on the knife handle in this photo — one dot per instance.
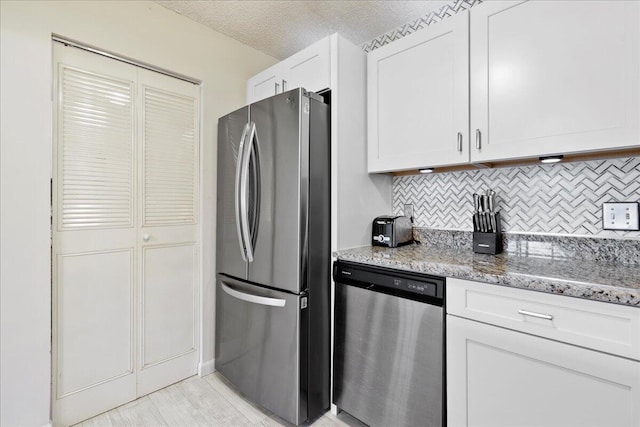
[485, 202]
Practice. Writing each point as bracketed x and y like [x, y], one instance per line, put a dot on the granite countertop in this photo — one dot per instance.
[595, 280]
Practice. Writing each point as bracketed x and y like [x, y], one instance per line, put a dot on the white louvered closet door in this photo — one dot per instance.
[94, 235]
[168, 150]
[125, 252]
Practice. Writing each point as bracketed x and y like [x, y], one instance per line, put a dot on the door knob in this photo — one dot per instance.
[146, 237]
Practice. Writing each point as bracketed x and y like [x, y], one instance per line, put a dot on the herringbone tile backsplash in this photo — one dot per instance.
[564, 198]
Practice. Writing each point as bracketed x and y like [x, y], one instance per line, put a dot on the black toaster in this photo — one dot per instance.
[391, 231]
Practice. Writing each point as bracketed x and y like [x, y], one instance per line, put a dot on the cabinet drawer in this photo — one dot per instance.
[601, 326]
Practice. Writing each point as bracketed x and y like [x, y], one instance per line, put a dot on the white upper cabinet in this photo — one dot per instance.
[418, 99]
[533, 78]
[553, 77]
[265, 84]
[310, 68]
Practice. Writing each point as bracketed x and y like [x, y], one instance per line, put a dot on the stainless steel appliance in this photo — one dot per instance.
[273, 255]
[388, 346]
[391, 231]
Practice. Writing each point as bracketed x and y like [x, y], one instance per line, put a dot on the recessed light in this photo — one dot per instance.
[426, 170]
[551, 159]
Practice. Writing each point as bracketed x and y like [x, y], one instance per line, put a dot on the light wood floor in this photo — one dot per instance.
[207, 401]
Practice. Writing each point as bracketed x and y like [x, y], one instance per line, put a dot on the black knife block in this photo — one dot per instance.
[488, 243]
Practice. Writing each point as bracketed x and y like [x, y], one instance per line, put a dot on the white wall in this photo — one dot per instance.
[137, 29]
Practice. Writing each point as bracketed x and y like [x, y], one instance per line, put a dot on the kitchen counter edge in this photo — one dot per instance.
[605, 282]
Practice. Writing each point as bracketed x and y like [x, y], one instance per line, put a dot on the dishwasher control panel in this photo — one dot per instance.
[394, 281]
[421, 288]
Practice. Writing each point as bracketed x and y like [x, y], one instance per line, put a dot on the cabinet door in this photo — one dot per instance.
[265, 84]
[418, 103]
[310, 68]
[552, 77]
[498, 377]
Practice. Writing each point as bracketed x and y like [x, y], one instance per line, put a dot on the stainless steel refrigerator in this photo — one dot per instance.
[273, 254]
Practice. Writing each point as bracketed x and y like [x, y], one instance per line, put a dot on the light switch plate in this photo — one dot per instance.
[621, 216]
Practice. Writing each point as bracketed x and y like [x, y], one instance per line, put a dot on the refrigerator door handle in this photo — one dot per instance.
[256, 180]
[244, 189]
[238, 201]
[255, 299]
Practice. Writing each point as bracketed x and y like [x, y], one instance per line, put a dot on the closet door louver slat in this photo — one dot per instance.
[96, 152]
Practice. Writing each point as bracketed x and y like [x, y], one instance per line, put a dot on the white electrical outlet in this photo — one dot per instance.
[621, 216]
[408, 210]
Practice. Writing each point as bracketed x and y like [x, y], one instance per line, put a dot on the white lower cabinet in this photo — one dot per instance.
[505, 377]
[499, 377]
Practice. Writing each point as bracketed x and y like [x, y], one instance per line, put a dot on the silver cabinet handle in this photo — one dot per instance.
[460, 142]
[533, 314]
[478, 139]
[255, 299]
[284, 85]
[146, 237]
[277, 88]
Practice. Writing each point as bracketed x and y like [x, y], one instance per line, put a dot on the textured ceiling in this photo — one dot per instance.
[281, 28]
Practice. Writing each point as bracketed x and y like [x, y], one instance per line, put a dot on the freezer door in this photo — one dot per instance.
[259, 346]
[229, 247]
[281, 141]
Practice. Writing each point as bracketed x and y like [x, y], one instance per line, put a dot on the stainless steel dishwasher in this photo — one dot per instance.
[388, 346]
